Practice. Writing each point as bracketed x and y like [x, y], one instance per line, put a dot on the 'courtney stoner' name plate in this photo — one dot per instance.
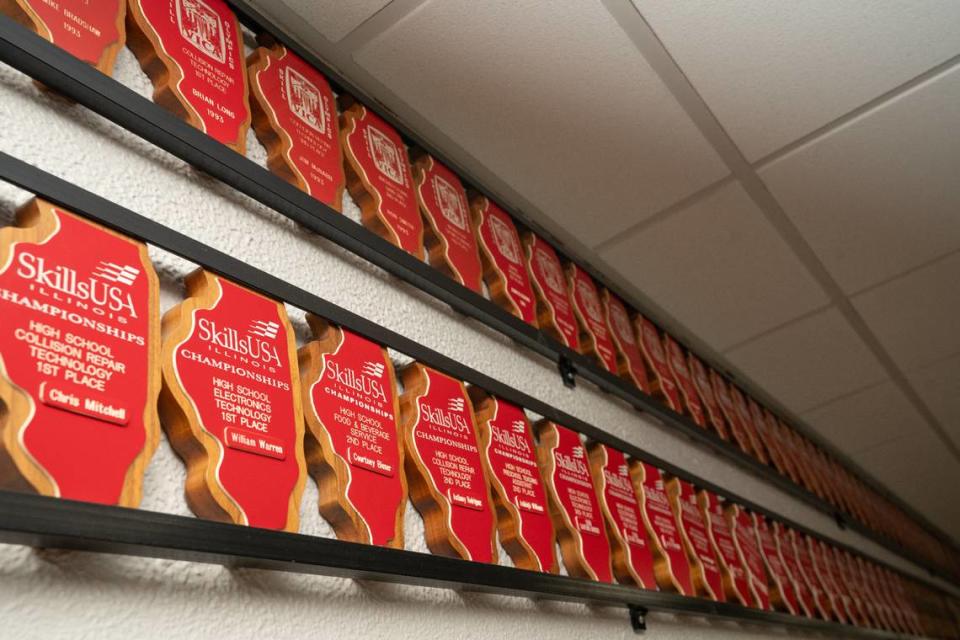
[79, 333]
[629, 360]
[231, 403]
[670, 560]
[677, 363]
[295, 118]
[502, 258]
[595, 337]
[523, 518]
[554, 307]
[193, 53]
[632, 556]
[352, 446]
[734, 577]
[444, 467]
[573, 503]
[379, 179]
[748, 550]
[663, 385]
[706, 571]
[91, 31]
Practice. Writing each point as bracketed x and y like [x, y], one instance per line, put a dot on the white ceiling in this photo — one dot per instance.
[777, 181]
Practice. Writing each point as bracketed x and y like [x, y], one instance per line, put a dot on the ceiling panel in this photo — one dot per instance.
[939, 386]
[335, 18]
[583, 130]
[774, 71]
[809, 362]
[879, 195]
[719, 268]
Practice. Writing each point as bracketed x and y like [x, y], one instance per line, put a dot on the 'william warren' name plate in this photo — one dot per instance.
[79, 342]
[629, 360]
[595, 337]
[193, 52]
[352, 444]
[671, 566]
[554, 306]
[231, 404]
[502, 256]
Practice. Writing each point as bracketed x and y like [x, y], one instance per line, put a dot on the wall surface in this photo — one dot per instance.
[57, 594]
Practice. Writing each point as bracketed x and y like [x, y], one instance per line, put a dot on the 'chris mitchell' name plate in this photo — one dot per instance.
[595, 337]
[554, 306]
[502, 256]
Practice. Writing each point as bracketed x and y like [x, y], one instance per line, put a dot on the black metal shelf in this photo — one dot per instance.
[62, 72]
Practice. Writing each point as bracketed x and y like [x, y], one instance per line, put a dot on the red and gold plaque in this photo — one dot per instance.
[671, 567]
[701, 383]
[574, 506]
[193, 52]
[677, 364]
[722, 392]
[883, 615]
[595, 337]
[785, 465]
[91, 31]
[734, 577]
[861, 603]
[662, 384]
[450, 240]
[791, 568]
[295, 118]
[744, 538]
[836, 594]
[351, 444]
[509, 453]
[746, 422]
[707, 579]
[782, 595]
[444, 465]
[629, 360]
[632, 556]
[767, 439]
[79, 341]
[808, 574]
[502, 257]
[554, 305]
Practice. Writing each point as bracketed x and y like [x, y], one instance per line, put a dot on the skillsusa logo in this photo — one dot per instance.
[367, 381]
[255, 345]
[99, 291]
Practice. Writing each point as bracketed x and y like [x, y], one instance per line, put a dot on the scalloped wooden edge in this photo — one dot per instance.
[730, 589]
[662, 571]
[624, 367]
[495, 279]
[698, 575]
[544, 309]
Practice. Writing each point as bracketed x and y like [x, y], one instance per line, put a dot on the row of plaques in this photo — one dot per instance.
[193, 52]
[89, 373]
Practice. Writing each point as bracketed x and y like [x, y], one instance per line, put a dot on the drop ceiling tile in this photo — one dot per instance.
[774, 71]
[809, 362]
[867, 418]
[915, 316]
[334, 18]
[914, 458]
[552, 97]
[719, 268]
[939, 387]
[879, 195]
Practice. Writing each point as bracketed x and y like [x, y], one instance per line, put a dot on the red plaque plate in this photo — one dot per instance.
[822, 562]
[677, 364]
[193, 52]
[91, 31]
[878, 610]
[79, 333]
[782, 595]
[775, 433]
[671, 566]
[791, 565]
[231, 404]
[295, 118]
[751, 559]
[502, 257]
[810, 574]
[766, 438]
[746, 421]
[444, 465]
[662, 385]
[693, 531]
[351, 444]
[735, 586]
[573, 503]
[632, 556]
[701, 382]
[523, 515]
[861, 604]
[595, 338]
[722, 392]
[554, 306]
[629, 360]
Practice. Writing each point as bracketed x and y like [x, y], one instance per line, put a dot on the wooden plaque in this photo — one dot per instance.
[859, 600]
[662, 384]
[554, 306]
[629, 360]
[231, 404]
[352, 445]
[791, 568]
[677, 364]
[192, 51]
[509, 453]
[872, 595]
[595, 337]
[79, 342]
[785, 466]
[574, 506]
[295, 118]
[632, 555]
[444, 466]
[91, 31]
[883, 588]
[806, 572]
[701, 382]
[782, 595]
[450, 239]
[839, 600]
[748, 551]
[766, 439]
[734, 577]
[704, 567]
[722, 392]
[502, 257]
[746, 422]
[671, 567]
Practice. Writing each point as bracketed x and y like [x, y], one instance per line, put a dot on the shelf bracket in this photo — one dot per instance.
[568, 372]
[638, 618]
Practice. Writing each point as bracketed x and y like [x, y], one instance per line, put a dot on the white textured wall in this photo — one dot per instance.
[54, 594]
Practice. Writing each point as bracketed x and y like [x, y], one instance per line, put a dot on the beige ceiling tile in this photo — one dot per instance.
[939, 386]
[879, 195]
[334, 18]
[911, 458]
[553, 98]
[774, 71]
[809, 362]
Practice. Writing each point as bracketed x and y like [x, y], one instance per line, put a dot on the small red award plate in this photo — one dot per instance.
[352, 445]
[748, 550]
[804, 573]
[791, 567]
[734, 577]
[193, 52]
[861, 604]
[573, 503]
[671, 566]
[701, 382]
[379, 179]
[782, 595]
[595, 337]
[629, 361]
[444, 466]
[677, 364]
[632, 555]
[774, 432]
[704, 567]
[722, 392]
[662, 385]
[231, 404]
[746, 422]
[79, 340]
[523, 518]
[91, 31]
[295, 118]
[502, 257]
[767, 440]
[554, 306]
[836, 590]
